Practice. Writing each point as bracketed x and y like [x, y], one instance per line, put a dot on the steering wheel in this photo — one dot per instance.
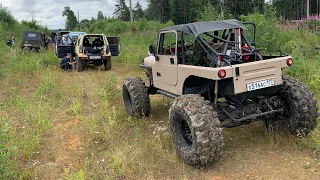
[172, 48]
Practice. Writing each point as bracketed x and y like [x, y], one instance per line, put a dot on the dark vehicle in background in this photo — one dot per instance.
[33, 40]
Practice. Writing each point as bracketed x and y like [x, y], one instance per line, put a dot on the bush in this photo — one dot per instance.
[6, 17]
[272, 36]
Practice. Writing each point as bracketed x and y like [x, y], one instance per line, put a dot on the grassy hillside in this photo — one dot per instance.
[71, 125]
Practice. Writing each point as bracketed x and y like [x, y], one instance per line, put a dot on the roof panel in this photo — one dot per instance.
[198, 28]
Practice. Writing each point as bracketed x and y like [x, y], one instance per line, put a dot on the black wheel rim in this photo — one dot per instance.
[186, 132]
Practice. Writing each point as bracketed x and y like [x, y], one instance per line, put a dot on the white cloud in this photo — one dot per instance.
[48, 12]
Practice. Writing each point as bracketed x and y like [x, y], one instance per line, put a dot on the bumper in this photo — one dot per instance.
[245, 75]
[94, 58]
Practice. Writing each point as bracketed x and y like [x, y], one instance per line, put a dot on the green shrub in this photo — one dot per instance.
[7, 17]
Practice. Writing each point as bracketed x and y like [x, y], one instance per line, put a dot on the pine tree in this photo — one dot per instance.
[178, 12]
[159, 10]
[100, 16]
[137, 11]
[122, 11]
[72, 21]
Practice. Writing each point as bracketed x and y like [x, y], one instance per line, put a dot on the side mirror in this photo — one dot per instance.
[152, 49]
[253, 43]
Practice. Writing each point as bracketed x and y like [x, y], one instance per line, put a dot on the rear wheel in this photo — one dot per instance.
[79, 65]
[196, 130]
[300, 109]
[107, 64]
[136, 97]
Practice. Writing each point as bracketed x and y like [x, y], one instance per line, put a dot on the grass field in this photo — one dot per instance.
[70, 125]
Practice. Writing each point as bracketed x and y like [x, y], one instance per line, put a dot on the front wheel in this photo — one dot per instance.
[136, 97]
[300, 110]
[196, 130]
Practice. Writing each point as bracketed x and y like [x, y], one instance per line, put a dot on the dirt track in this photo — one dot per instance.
[249, 153]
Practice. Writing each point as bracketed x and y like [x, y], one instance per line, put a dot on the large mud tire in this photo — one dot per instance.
[300, 109]
[136, 97]
[79, 65]
[107, 65]
[196, 130]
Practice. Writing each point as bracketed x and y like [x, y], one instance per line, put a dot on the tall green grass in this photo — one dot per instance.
[299, 43]
[24, 116]
[135, 37]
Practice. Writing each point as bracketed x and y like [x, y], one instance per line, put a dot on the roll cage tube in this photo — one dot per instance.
[203, 42]
[251, 51]
[254, 29]
[182, 47]
[207, 47]
[228, 40]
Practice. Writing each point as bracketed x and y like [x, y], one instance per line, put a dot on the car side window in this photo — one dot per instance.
[168, 44]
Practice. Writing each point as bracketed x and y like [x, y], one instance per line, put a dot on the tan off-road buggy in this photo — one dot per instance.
[218, 79]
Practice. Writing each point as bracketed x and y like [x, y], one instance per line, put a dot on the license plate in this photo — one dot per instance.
[27, 44]
[260, 84]
[95, 57]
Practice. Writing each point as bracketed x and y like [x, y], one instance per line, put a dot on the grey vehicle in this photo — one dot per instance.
[218, 79]
[33, 40]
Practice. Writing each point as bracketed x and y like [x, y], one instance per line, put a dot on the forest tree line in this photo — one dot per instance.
[185, 11]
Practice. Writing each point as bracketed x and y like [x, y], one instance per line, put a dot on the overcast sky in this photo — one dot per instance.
[48, 12]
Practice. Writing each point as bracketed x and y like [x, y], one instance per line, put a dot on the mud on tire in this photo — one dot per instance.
[136, 97]
[196, 130]
[300, 109]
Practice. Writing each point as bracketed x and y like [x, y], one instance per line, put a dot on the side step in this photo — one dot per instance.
[167, 94]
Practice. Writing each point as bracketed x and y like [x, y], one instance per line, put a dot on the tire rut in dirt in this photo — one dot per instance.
[301, 110]
[136, 97]
[201, 142]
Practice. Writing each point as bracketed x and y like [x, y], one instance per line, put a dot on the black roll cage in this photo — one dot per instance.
[227, 34]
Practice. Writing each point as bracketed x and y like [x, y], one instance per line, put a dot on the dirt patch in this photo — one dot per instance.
[63, 151]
